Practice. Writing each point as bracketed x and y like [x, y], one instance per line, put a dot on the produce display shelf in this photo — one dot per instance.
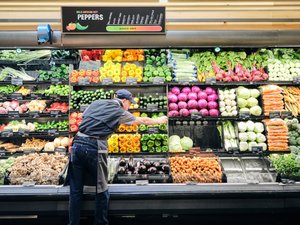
[255, 118]
[33, 115]
[33, 97]
[37, 82]
[139, 84]
[139, 154]
[246, 83]
[34, 134]
[130, 110]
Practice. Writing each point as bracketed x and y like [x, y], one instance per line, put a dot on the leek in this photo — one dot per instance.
[7, 71]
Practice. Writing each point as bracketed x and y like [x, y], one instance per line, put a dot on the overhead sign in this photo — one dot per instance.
[113, 20]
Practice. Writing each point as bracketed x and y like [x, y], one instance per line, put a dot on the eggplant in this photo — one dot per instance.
[121, 170]
[166, 169]
[131, 163]
[152, 170]
[122, 162]
[156, 164]
[163, 161]
[160, 172]
[147, 164]
[142, 169]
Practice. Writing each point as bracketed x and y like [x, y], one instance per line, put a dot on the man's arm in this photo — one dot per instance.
[149, 121]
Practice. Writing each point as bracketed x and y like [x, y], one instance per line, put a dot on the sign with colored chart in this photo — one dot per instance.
[113, 20]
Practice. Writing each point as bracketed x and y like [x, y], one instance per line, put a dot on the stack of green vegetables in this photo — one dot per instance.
[8, 89]
[81, 97]
[5, 165]
[154, 143]
[294, 136]
[177, 144]
[247, 100]
[61, 90]
[287, 165]
[161, 101]
[156, 60]
[230, 138]
[60, 72]
[24, 55]
[60, 125]
[161, 127]
[10, 72]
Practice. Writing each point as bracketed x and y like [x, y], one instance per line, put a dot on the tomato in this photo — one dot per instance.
[74, 115]
[74, 128]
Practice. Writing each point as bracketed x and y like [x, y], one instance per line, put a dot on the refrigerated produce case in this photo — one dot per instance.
[248, 182]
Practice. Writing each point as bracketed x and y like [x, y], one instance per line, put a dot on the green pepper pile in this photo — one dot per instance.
[61, 90]
[60, 72]
[154, 143]
[60, 125]
[8, 89]
[161, 127]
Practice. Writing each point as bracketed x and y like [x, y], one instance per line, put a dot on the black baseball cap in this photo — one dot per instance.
[124, 94]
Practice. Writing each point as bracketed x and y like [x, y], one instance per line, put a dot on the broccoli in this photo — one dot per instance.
[292, 140]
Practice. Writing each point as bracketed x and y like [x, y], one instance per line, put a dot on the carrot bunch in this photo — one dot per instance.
[93, 75]
[130, 55]
[272, 98]
[277, 134]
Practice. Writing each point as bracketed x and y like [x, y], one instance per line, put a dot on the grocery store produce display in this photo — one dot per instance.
[243, 95]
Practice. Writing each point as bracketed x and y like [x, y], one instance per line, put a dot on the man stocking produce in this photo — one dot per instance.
[90, 149]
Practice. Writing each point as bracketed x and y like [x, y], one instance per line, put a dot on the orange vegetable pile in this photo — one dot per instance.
[93, 75]
[272, 98]
[130, 55]
[124, 143]
[277, 131]
[128, 128]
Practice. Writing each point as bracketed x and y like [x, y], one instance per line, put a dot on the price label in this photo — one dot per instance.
[84, 81]
[61, 151]
[257, 149]
[233, 150]
[83, 107]
[29, 151]
[55, 113]
[13, 114]
[183, 82]
[55, 81]
[196, 115]
[7, 133]
[17, 81]
[286, 114]
[107, 81]
[16, 96]
[274, 114]
[158, 80]
[34, 114]
[35, 96]
[153, 130]
[3, 96]
[211, 80]
[23, 132]
[131, 81]
[89, 65]
[53, 132]
[28, 184]
[2, 153]
[296, 80]
[54, 97]
[152, 107]
[142, 182]
[244, 115]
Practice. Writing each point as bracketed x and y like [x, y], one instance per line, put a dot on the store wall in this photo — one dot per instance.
[181, 15]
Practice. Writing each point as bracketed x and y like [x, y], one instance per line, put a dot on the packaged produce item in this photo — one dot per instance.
[291, 96]
[272, 98]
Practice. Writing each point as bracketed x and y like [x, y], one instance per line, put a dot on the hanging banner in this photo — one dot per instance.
[113, 20]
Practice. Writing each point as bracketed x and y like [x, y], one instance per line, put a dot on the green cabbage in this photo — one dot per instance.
[252, 102]
[186, 143]
[256, 110]
[254, 93]
[243, 92]
[242, 103]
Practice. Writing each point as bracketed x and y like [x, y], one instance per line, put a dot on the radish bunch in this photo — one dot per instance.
[185, 101]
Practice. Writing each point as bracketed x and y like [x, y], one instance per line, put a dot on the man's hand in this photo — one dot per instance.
[162, 120]
[149, 121]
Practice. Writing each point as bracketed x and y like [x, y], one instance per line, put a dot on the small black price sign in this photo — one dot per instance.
[3, 96]
[83, 108]
[196, 116]
[211, 80]
[233, 150]
[35, 96]
[152, 107]
[55, 113]
[107, 81]
[7, 133]
[54, 97]
[2, 153]
[84, 81]
[131, 81]
[158, 80]
[55, 81]
[16, 96]
[23, 132]
[89, 65]
[61, 151]
[34, 114]
[296, 80]
[153, 130]
[257, 149]
[244, 115]
[183, 82]
[17, 81]
[274, 114]
[29, 151]
[286, 114]
[13, 114]
[53, 132]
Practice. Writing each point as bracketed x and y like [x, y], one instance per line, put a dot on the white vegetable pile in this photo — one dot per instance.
[227, 102]
[283, 71]
[247, 100]
[251, 134]
[230, 138]
[184, 70]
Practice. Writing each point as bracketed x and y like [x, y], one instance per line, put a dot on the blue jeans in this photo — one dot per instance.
[84, 160]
